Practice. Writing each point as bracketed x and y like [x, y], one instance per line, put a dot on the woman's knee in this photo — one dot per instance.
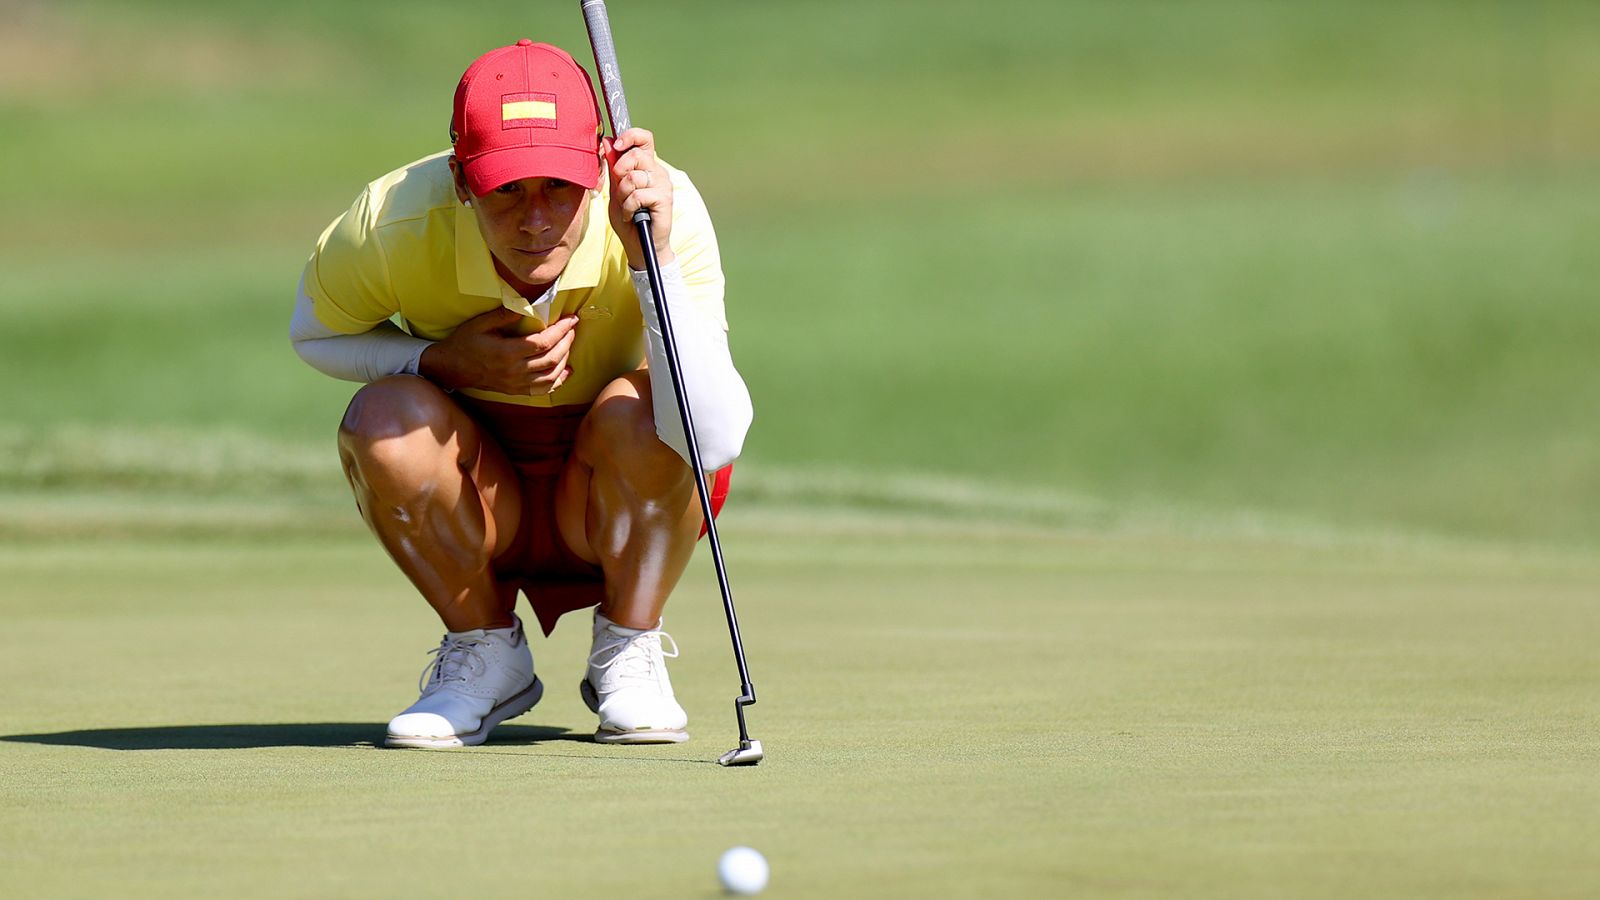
[383, 414]
[620, 432]
[391, 407]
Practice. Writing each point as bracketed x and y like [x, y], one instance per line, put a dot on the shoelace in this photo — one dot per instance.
[637, 662]
[449, 658]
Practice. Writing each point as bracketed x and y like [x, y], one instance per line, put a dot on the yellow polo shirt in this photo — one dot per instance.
[408, 249]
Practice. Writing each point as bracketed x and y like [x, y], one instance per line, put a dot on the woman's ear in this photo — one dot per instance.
[459, 179]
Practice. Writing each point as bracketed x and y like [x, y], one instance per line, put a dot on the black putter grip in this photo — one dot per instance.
[596, 19]
[605, 59]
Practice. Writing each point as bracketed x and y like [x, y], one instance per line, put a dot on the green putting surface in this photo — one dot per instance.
[949, 710]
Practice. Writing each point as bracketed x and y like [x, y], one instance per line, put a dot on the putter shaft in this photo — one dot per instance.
[605, 58]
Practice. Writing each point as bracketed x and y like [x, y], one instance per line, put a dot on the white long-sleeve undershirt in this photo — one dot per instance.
[364, 357]
[718, 398]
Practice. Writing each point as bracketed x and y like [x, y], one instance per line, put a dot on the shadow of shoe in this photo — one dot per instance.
[245, 737]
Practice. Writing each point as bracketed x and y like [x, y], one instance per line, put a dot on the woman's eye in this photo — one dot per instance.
[510, 187]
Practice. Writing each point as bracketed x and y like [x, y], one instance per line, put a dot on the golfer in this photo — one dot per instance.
[518, 430]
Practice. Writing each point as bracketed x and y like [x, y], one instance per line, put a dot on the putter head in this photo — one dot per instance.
[748, 753]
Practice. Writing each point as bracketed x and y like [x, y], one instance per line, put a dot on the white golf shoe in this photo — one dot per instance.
[477, 680]
[628, 687]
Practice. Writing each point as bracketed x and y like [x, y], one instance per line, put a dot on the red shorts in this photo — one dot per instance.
[538, 441]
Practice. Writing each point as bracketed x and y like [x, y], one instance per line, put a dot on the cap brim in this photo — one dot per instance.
[497, 167]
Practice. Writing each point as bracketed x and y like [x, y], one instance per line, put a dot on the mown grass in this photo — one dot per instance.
[950, 710]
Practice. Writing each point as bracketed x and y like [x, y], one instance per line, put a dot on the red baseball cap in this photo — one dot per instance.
[526, 111]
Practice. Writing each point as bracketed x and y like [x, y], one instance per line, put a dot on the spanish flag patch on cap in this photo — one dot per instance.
[528, 111]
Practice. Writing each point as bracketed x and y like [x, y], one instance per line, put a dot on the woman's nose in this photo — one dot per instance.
[536, 218]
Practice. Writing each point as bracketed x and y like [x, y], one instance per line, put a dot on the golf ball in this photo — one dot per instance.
[743, 871]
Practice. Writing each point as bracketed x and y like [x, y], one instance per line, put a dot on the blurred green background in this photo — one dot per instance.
[1075, 261]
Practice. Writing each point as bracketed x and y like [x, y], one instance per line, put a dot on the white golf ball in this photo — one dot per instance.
[743, 871]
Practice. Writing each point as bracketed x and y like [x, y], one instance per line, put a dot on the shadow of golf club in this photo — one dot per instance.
[245, 737]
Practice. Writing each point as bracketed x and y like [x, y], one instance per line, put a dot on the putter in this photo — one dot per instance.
[749, 752]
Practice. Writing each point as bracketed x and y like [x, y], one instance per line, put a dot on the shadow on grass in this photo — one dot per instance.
[244, 737]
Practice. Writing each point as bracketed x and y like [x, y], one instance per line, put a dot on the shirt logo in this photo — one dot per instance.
[528, 111]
